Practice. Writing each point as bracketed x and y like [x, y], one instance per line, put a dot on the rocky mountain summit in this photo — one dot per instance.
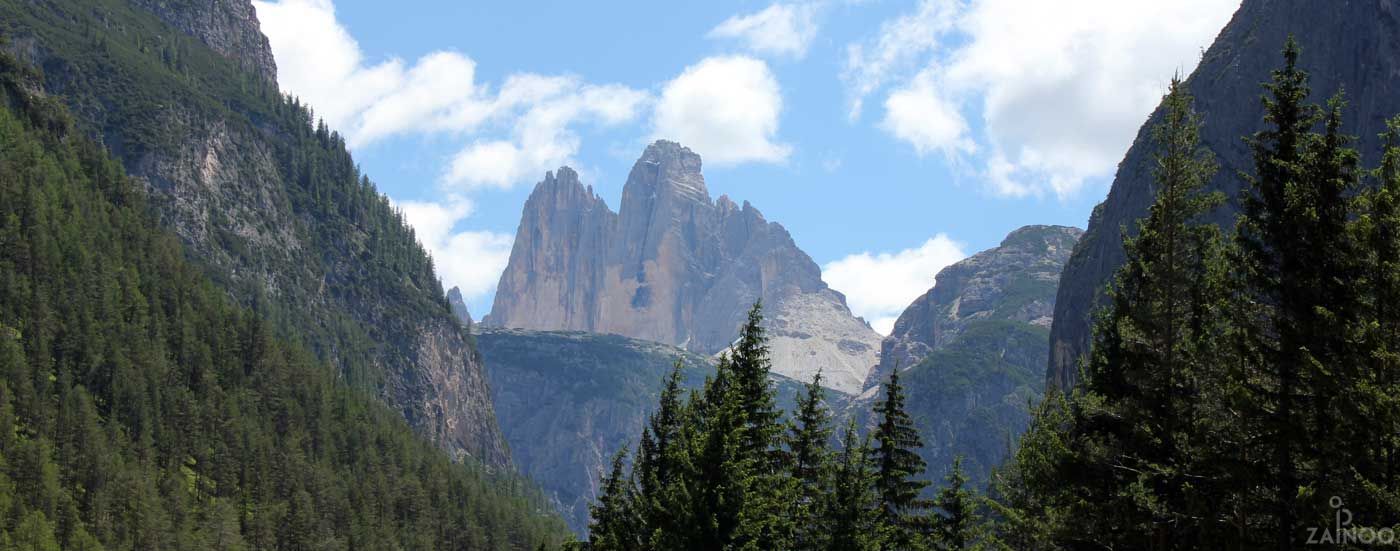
[970, 350]
[1349, 45]
[1016, 281]
[228, 27]
[458, 306]
[675, 267]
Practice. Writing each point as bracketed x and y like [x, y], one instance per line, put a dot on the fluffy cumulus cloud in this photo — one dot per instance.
[878, 287]
[726, 109]
[513, 133]
[540, 136]
[1056, 89]
[919, 114]
[471, 260]
[784, 30]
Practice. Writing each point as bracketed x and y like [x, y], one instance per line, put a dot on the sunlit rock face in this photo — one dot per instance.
[676, 267]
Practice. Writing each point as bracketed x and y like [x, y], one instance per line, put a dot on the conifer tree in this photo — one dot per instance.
[662, 468]
[900, 509]
[1141, 410]
[956, 524]
[849, 508]
[721, 473]
[1378, 235]
[1116, 463]
[615, 525]
[808, 463]
[1297, 290]
[767, 490]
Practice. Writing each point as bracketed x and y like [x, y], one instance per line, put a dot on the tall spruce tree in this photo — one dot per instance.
[808, 463]
[615, 525]
[767, 487]
[1377, 394]
[849, 508]
[956, 525]
[663, 469]
[721, 472]
[1141, 411]
[901, 510]
[1297, 290]
[1119, 462]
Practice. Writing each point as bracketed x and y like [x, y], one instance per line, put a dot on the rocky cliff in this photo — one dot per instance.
[458, 306]
[228, 27]
[675, 267]
[1351, 44]
[270, 203]
[1016, 281]
[970, 350]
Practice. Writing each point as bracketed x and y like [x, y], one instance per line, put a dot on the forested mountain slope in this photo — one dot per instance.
[269, 201]
[142, 409]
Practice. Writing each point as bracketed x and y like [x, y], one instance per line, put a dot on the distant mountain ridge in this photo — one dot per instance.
[970, 350]
[675, 267]
[1353, 45]
[1014, 281]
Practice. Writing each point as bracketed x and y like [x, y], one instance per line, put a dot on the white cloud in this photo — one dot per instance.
[902, 43]
[1057, 89]
[919, 114]
[878, 287]
[471, 260]
[540, 138]
[724, 108]
[514, 134]
[779, 30]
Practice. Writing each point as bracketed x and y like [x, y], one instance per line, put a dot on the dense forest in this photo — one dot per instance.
[293, 229]
[1243, 390]
[142, 408]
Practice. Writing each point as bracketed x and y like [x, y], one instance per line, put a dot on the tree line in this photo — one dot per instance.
[722, 468]
[1242, 389]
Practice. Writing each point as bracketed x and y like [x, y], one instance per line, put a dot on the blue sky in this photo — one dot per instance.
[890, 138]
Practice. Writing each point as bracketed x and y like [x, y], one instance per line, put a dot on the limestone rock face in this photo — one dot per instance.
[675, 267]
[458, 306]
[1016, 281]
[229, 27]
[1346, 44]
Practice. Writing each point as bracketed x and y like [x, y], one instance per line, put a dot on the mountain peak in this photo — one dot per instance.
[458, 306]
[677, 268]
[1040, 236]
[666, 168]
[1014, 282]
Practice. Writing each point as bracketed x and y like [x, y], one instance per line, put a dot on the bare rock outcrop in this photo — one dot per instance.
[675, 267]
